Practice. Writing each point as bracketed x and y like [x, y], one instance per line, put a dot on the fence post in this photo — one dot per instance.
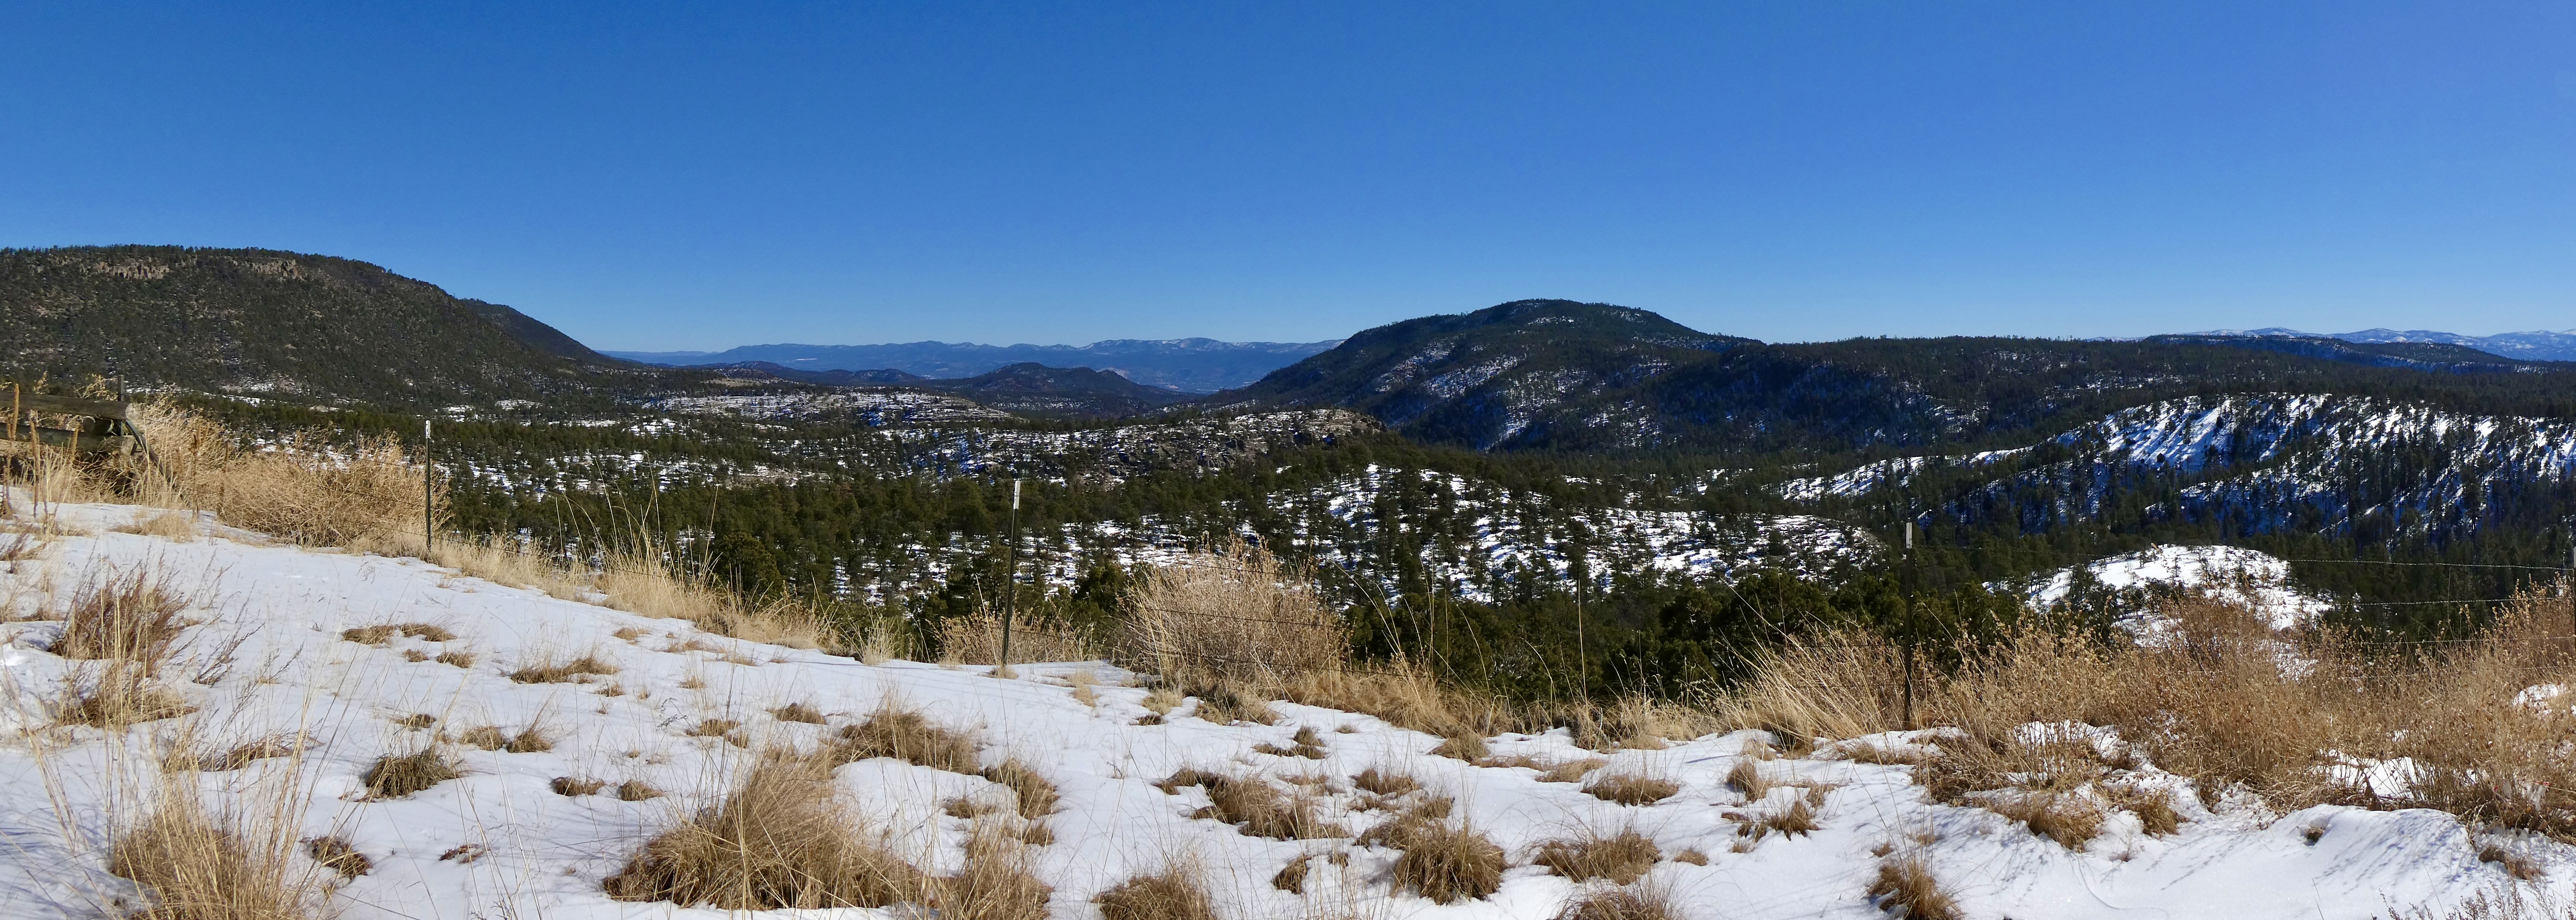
[1010, 581]
[428, 494]
[1910, 626]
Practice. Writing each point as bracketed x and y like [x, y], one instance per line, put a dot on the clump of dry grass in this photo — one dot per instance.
[1905, 883]
[198, 866]
[797, 712]
[394, 776]
[777, 841]
[1442, 862]
[116, 694]
[129, 616]
[549, 671]
[1747, 778]
[461, 659]
[177, 527]
[571, 787]
[338, 856]
[1631, 788]
[381, 633]
[1172, 894]
[1381, 782]
[1254, 806]
[282, 744]
[995, 883]
[1621, 904]
[1037, 796]
[905, 735]
[1798, 818]
[1236, 617]
[1620, 857]
[636, 791]
[1306, 744]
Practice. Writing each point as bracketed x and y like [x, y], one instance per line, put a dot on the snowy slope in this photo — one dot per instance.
[267, 657]
[2258, 580]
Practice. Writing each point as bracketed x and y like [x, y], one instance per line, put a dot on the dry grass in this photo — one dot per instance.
[339, 857]
[1622, 904]
[1442, 862]
[549, 671]
[571, 787]
[282, 744]
[1306, 744]
[381, 633]
[461, 659]
[303, 487]
[1380, 782]
[636, 791]
[1798, 818]
[177, 527]
[2212, 702]
[1238, 617]
[1172, 894]
[1291, 878]
[394, 776]
[905, 735]
[1255, 807]
[1904, 883]
[977, 639]
[996, 883]
[1746, 778]
[777, 841]
[797, 712]
[1037, 796]
[198, 866]
[530, 740]
[1620, 857]
[129, 616]
[116, 694]
[1631, 788]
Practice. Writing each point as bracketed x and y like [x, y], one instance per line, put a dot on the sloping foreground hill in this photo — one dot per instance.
[577, 734]
[263, 322]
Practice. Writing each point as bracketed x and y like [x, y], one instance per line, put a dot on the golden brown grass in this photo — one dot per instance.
[1904, 883]
[1172, 894]
[459, 659]
[797, 712]
[1255, 807]
[1382, 782]
[1306, 744]
[1291, 878]
[338, 856]
[177, 527]
[904, 734]
[1620, 857]
[381, 633]
[977, 639]
[571, 787]
[1037, 796]
[1621, 904]
[2214, 703]
[394, 776]
[197, 866]
[116, 694]
[529, 740]
[1747, 778]
[777, 841]
[636, 791]
[129, 616]
[1631, 788]
[995, 883]
[304, 486]
[547, 670]
[1236, 617]
[1440, 861]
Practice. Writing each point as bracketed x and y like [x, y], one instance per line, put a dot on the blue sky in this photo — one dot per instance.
[670, 177]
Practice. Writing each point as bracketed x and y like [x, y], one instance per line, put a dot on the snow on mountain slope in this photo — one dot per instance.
[266, 657]
[2257, 580]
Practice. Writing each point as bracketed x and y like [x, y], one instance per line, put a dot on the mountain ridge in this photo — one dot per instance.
[1188, 365]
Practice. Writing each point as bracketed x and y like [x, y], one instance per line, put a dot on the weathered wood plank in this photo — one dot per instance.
[68, 405]
[87, 443]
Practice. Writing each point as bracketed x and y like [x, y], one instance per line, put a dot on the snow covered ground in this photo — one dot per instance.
[267, 658]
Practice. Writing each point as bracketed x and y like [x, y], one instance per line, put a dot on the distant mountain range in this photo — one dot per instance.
[1027, 388]
[2527, 346]
[1181, 365]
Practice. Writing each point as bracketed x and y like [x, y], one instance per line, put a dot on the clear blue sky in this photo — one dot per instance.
[669, 177]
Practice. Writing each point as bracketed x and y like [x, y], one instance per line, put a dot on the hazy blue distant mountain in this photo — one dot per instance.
[2529, 346]
[1185, 365]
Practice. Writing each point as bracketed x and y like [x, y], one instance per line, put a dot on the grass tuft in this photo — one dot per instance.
[777, 841]
[1172, 894]
[1631, 789]
[1905, 884]
[905, 735]
[1621, 857]
[394, 776]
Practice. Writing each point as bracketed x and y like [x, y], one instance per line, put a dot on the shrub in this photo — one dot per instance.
[1171, 894]
[777, 841]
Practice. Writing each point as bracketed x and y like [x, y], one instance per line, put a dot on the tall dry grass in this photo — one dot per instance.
[977, 639]
[2218, 698]
[1235, 616]
[300, 487]
[778, 840]
[198, 864]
